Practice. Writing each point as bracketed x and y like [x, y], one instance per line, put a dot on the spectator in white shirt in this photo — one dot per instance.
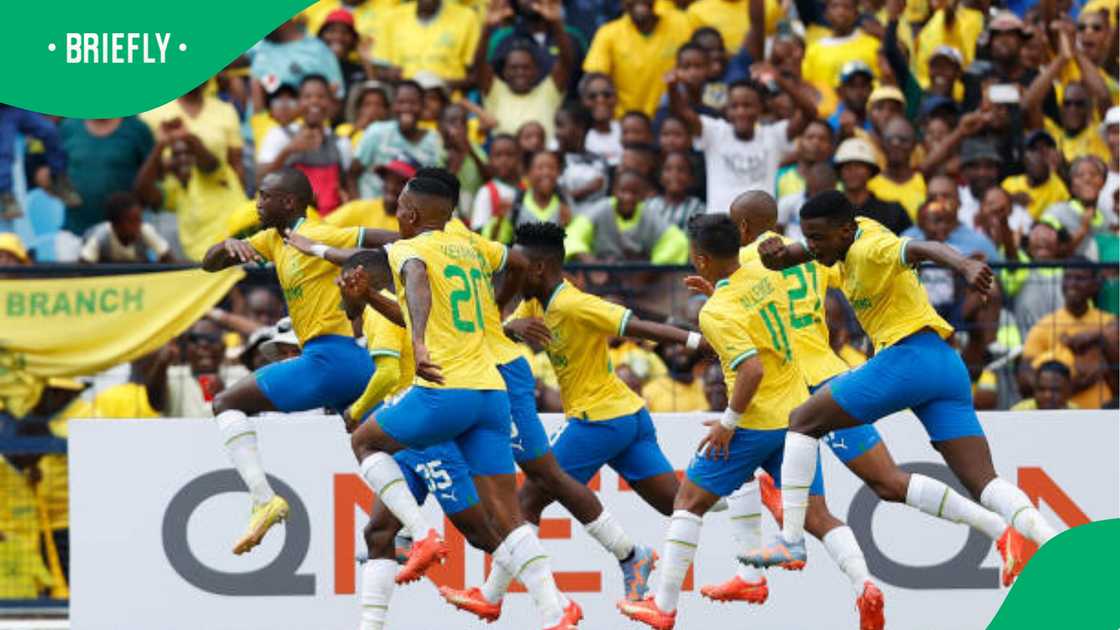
[125, 237]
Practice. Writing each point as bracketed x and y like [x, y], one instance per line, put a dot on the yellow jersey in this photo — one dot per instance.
[459, 280]
[883, 288]
[443, 45]
[495, 254]
[386, 339]
[581, 324]
[367, 213]
[667, 395]
[1088, 142]
[637, 62]
[201, 206]
[805, 287]
[314, 302]
[731, 19]
[910, 194]
[1053, 190]
[962, 34]
[825, 57]
[747, 316]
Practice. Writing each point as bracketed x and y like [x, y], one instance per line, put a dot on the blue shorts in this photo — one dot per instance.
[476, 420]
[441, 471]
[627, 444]
[749, 450]
[922, 373]
[332, 372]
[848, 444]
[529, 440]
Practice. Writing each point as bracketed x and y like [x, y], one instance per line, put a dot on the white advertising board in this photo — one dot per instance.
[155, 510]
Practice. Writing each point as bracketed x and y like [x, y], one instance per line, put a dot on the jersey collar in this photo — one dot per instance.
[563, 283]
[298, 223]
[723, 283]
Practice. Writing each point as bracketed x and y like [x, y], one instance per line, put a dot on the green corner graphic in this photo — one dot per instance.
[198, 38]
[1070, 583]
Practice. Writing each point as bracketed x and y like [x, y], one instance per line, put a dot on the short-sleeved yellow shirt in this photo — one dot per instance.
[459, 280]
[731, 19]
[805, 287]
[581, 324]
[444, 44]
[910, 194]
[367, 213]
[825, 57]
[748, 316]
[883, 289]
[1049, 192]
[314, 301]
[638, 62]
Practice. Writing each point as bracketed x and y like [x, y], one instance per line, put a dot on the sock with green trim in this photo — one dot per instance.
[680, 548]
[240, 439]
[744, 508]
[383, 474]
[939, 500]
[527, 560]
[378, 579]
[1013, 505]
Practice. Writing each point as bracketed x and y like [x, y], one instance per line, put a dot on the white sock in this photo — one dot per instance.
[680, 547]
[842, 546]
[377, 588]
[240, 439]
[937, 499]
[610, 535]
[497, 583]
[1013, 505]
[798, 467]
[528, 561]
[383, 474]
[744, 507]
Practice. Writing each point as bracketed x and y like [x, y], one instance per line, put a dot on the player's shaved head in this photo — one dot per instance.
[755, 207]
[293, 182]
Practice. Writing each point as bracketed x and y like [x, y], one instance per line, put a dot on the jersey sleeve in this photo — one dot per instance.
[494, 253]
[385, 338]
[400, 253]
[598, 57]
[598, 313]
[883, 248]
[264, 242]
[527, 308]
[335, 236]
[728, 336]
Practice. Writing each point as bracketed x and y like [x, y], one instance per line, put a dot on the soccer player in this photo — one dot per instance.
[331, 371]
[860, 448]
[458, 395]
[745, 320]
[913, 366]
[607, 423]
[438, 470]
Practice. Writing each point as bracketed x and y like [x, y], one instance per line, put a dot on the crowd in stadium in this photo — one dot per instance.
[992, 128]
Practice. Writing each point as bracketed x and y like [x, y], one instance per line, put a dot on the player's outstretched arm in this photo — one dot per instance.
[662, 333]
[378, 238]
[777, 255]
[418, 295]
[311, 247]
[976, 273]
[230, 252]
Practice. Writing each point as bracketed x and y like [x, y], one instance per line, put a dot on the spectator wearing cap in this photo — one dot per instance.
[365, 12]
[311, 146]
[1006, 36]
[1082, 330]
[636, 51]
[515, 90]
[286, 55]
[12, 251]
[1039, 186]
[954, 26]
[1110, 131]
[855, 89]
[530, 30]
[1052, 386]
[103, 156]
[1080, 215]
[945, 64]
[433, 35]
[858, 163]
[385, 140]
[899, 181]
[826, 57]
[340, 35]
[980, 170]
[125, 237]
[379, 212]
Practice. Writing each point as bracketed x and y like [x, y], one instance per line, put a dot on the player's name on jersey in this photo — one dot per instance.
[117, 48]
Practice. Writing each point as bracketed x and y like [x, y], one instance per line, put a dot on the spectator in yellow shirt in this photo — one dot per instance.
[680, 390]
[715, 388]
[636, 50]
[1039, 187]
[431, 35]
[952, 25]
[1053, 386]
[826, 56]
[730, 18]
[899, 181]
[379, 213]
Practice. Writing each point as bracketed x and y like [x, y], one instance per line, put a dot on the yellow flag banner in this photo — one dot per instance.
[80, 326]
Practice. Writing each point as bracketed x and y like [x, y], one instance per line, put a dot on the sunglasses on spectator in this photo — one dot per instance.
[204, 338]
[898, 139]
[1086, 26]
[1075, 103]
[600, 94]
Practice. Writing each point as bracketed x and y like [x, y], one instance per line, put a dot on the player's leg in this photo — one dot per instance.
[487, 451]
[706, 481]
[379, 571]
[744, 509]
[644, 466]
